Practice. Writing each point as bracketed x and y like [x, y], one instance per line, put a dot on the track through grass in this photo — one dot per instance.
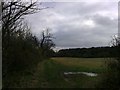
[55, 67]
[49, 74]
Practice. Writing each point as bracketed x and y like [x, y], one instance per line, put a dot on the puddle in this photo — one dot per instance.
[85, 73]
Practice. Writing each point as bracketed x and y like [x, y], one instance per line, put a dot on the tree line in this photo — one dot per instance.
[93, 52]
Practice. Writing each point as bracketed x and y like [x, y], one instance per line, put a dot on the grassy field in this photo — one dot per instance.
[83, 64]
[55, 67]
[49, 73]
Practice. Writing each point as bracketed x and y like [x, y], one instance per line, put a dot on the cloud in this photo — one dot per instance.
[77, 24]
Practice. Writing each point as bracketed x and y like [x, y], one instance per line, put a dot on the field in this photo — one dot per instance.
[49, 73]
[83, 64]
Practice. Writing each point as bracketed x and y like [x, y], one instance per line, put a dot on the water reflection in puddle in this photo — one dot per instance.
[85, 73]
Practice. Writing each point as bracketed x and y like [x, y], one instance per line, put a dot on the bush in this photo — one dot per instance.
[20, 54]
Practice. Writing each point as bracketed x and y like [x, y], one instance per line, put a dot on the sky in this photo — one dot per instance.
[77, 24]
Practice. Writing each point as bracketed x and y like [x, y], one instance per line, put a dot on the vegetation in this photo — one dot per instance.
[27, 63]
[50, 74]
[83, 64]
[111, 79]
[21, 49]
[94, 52]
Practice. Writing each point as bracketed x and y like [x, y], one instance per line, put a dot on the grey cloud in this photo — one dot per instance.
[105, 21]
[67, 23]
[84, 37]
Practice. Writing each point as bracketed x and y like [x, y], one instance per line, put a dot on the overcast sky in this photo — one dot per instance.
[77, 24]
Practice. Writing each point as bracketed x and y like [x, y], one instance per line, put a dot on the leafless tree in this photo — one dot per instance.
[13, 12]
[46, 42]
[115, 41]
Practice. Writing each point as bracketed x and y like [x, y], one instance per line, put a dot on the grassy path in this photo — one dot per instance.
[49, 74]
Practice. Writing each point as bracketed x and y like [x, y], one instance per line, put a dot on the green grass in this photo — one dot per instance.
[55, 67]
[83, 64]
[49, 74]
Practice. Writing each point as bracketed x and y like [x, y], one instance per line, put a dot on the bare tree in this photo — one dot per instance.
[14, 30]
[115, 41]
[46, 42]
[13, 12]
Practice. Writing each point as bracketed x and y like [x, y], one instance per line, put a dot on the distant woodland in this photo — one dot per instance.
[93, 52]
